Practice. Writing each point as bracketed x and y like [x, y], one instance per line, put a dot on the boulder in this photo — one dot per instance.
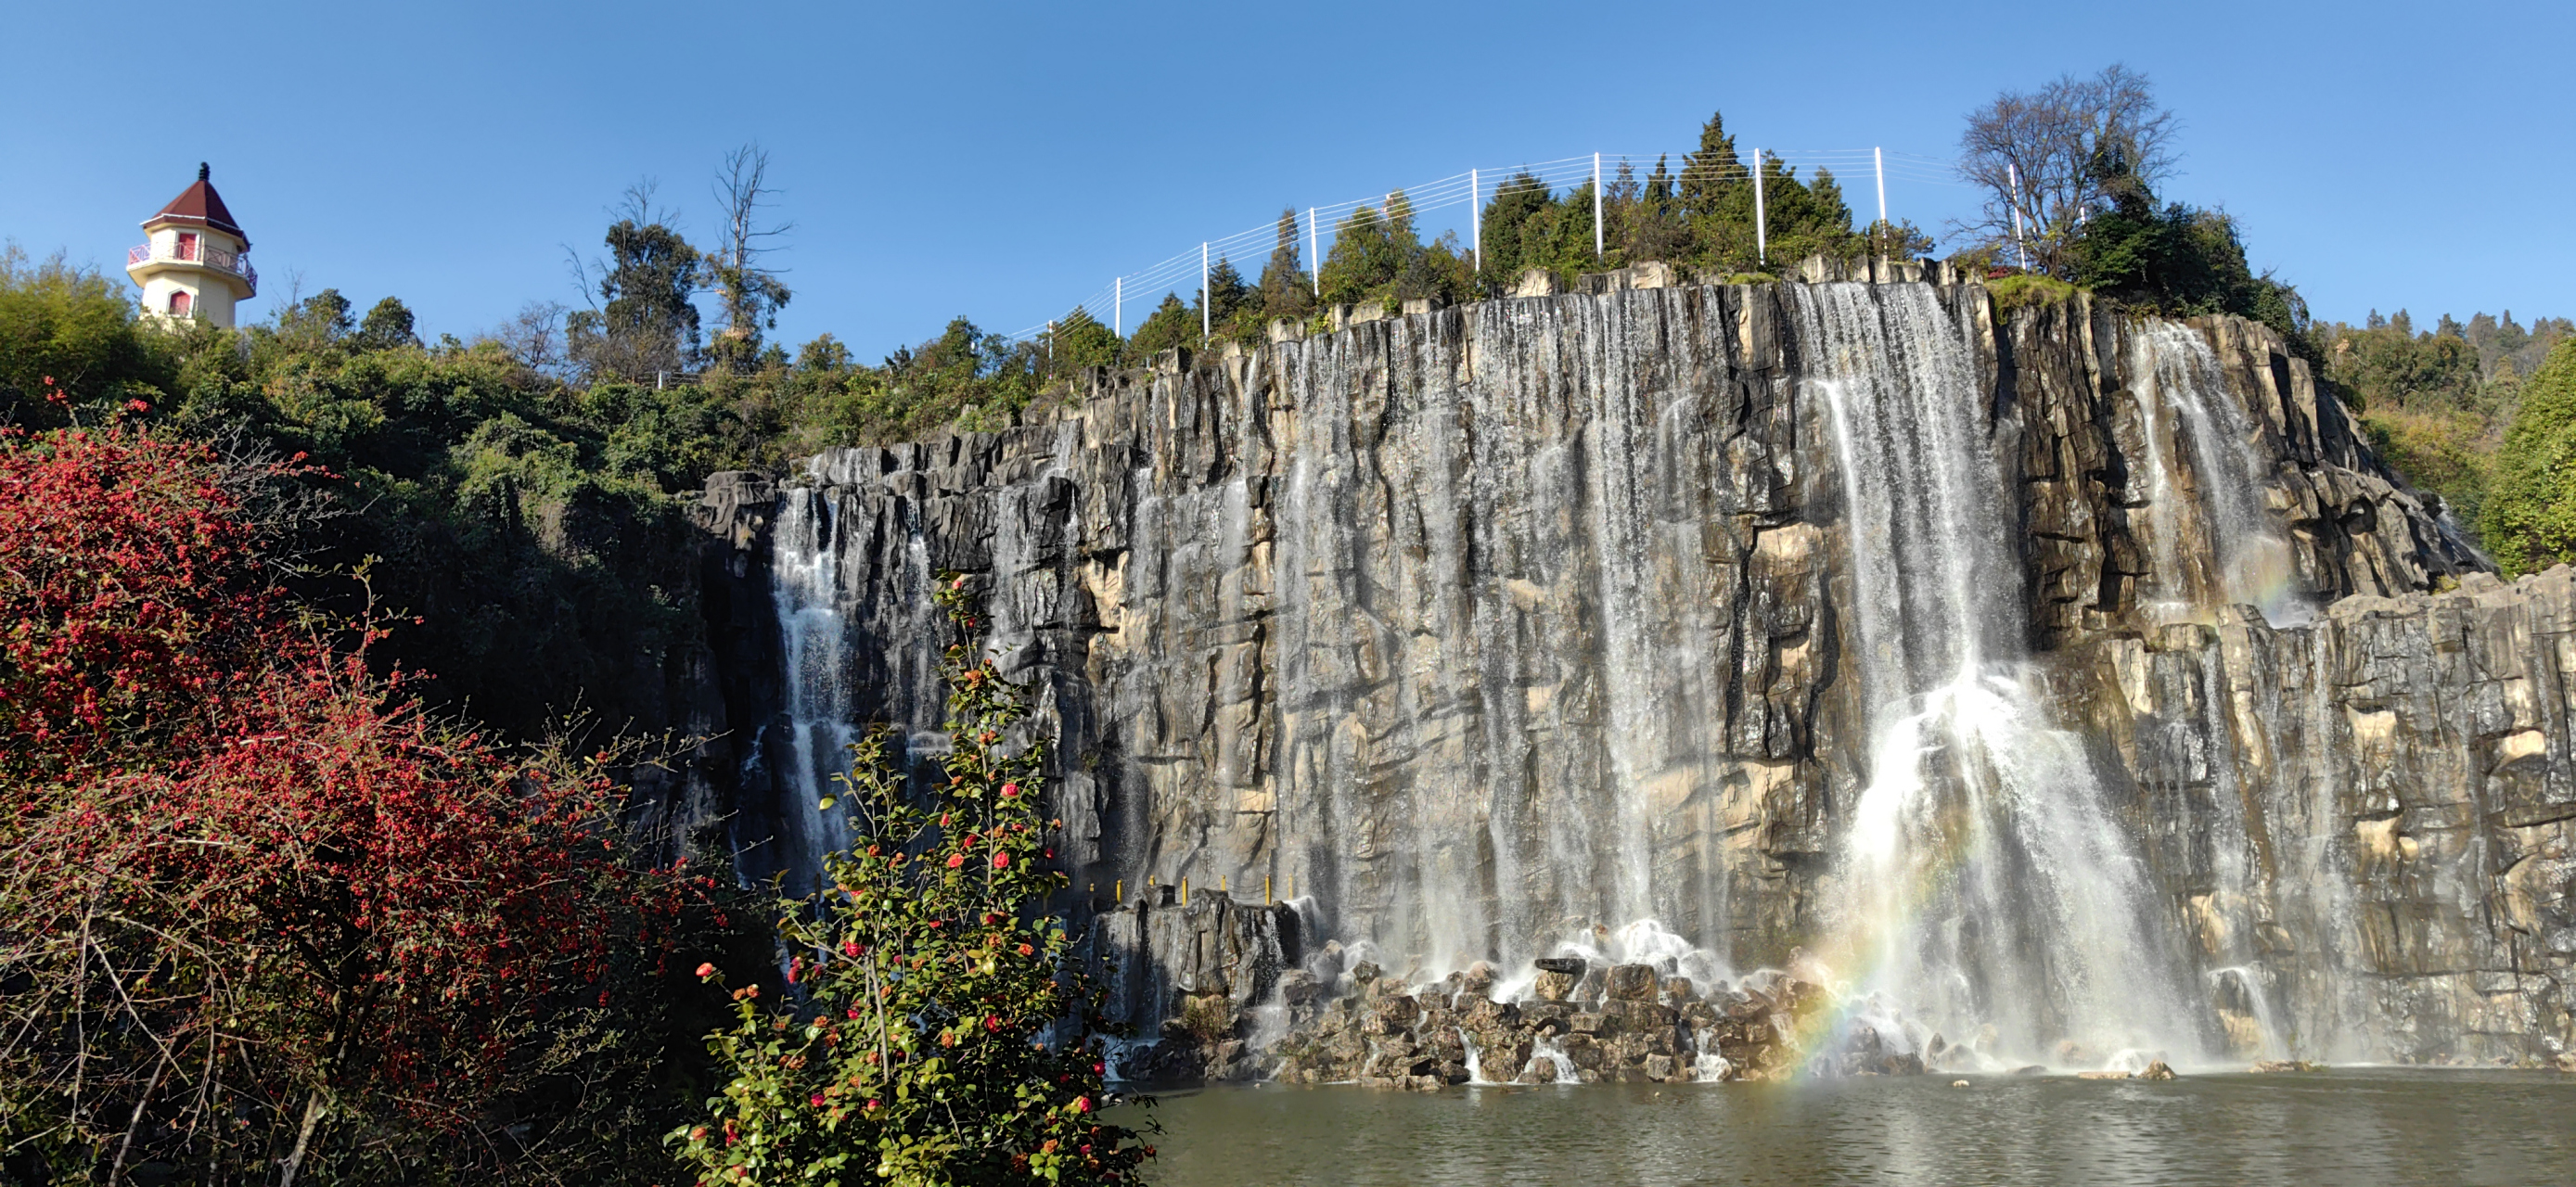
[1632, 983]
[1536, 282]
[1555, 986]
[1392, 1015]
[2157, 1070]
[1640, 1015]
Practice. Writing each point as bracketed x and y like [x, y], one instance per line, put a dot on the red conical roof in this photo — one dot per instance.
[200, 203]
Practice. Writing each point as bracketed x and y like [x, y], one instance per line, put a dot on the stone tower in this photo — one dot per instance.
[197, 262]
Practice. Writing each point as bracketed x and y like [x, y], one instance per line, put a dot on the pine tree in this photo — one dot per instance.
[1713, 175]
[1286, 289]
[1226, 296]
[1521, 200]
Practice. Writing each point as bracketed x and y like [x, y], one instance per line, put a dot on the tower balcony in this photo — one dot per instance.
[198, 252]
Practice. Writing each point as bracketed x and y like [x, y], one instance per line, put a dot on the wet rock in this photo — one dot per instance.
[1555, 985]
[1297, 987]
[2157, 1070]
[1632, 983]
[2104, 1075]
[1392, 1015]
[1635, 1015]
[2276, 1066]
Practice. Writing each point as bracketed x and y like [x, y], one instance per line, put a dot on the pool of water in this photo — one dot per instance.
[2343, 1127]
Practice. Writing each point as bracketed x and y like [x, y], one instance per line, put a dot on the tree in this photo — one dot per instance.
[388, 326]
[1286, 289]
[1172, 324]
[1715, 195]
[943, 1028]
[646, 325]
[317, 321]
[1226, 296]
[749, 294]
[2051, 159]
[1079, 340]
[2529, 520]
[70, 333]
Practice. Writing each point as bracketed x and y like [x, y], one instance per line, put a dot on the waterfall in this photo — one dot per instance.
[1690, 627]
[1987, 883]
[2243, 558]
[819, 706]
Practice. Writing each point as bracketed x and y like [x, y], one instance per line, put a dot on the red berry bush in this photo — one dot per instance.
[259, 915]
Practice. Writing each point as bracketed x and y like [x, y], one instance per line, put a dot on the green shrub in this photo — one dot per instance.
[2529, 520]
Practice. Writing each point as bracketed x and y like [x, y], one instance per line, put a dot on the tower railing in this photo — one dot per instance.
[197, 252]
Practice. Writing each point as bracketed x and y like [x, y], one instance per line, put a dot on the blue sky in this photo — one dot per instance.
[1003, 161]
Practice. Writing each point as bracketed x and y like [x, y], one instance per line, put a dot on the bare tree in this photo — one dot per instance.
[534, 337]
[2049, 158]
[749, 294]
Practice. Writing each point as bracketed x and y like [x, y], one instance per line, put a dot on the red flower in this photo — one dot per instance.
[993, 1023]
[816, 1101]
[1001, 861]
[1009, 790]
[1082, 1104]
[850, 948]
[706, 970]
[1025, 950]
[955, 860]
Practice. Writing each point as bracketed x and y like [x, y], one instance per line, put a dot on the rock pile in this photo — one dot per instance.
[1576, 1023]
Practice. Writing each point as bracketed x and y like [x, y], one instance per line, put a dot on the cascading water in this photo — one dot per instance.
[820, 709]
[2184, 411]
[1986, 883]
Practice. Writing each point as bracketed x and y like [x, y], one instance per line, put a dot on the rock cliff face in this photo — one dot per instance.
[2042, 673]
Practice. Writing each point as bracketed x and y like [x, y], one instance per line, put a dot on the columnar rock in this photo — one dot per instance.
[1471, 628]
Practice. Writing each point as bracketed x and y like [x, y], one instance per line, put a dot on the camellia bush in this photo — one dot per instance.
[940, 1028]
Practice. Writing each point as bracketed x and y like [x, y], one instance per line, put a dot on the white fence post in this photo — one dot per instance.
[2013, 171]
[1761, 224]
[1314, 254]
[1878, 158]
[1203, 292]
[1596, 206]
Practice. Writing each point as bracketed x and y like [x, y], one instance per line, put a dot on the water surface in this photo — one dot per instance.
[2362, 1126]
